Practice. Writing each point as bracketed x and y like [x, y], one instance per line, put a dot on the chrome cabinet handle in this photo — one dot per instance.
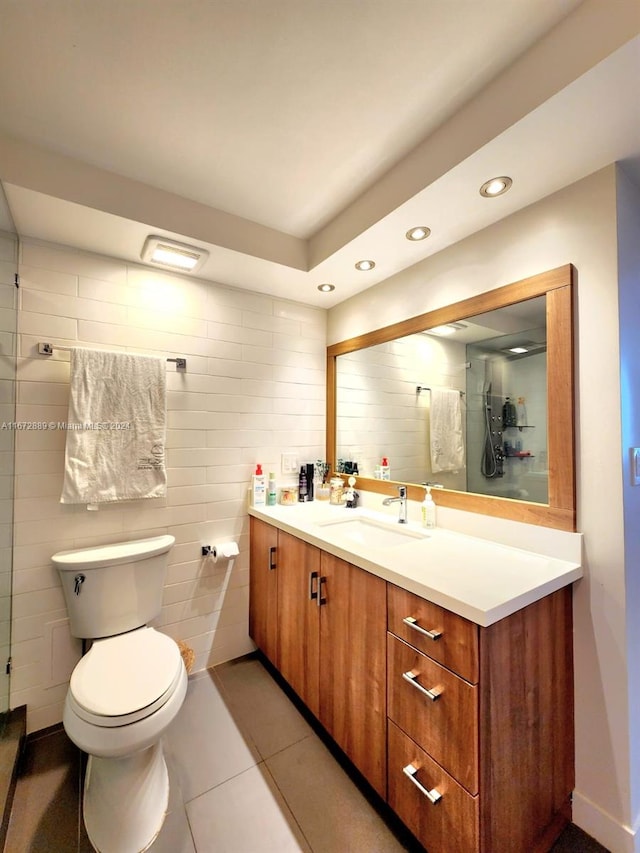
[320, 600]
[413, 623]
[272, 558]
[432, 694]
[434, 796]
[313, 593]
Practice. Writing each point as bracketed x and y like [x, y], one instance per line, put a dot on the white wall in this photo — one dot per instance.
[8, 268]
[254, 387]
[629, 279]
[576, 225]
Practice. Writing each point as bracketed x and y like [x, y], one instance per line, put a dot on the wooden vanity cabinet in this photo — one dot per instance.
[493, 749]
[330, 640]
[353, 666]
[498, 753]
[263, 587]
[298, 623]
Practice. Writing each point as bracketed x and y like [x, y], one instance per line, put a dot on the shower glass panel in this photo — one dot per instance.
[507, 416]
[8, 319]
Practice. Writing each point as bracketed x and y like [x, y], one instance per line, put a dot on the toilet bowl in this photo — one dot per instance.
[124, 692]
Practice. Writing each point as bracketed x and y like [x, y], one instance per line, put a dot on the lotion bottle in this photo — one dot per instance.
[428, 510]
[271, 490]
[258, 491]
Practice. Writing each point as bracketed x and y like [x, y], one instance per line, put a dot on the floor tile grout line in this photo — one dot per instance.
[288, 804]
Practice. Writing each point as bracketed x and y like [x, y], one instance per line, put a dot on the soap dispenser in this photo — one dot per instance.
[428, 510]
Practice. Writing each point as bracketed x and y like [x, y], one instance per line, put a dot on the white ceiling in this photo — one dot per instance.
[293, 137]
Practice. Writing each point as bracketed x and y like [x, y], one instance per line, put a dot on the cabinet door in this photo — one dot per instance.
[299, 617]
[353, 665]
[263, 583]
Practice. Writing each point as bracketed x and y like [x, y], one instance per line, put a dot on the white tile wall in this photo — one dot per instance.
[380, 413]
[254, 387]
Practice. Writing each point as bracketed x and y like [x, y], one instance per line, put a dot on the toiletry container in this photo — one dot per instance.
[258, 494]
[336, 491]
[428, 510]
[385, 471]
[272, 494]
[303, 487]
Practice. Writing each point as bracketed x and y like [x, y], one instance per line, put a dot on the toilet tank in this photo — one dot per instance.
[110, 589]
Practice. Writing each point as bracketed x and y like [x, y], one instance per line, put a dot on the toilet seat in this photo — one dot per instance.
[126, 678]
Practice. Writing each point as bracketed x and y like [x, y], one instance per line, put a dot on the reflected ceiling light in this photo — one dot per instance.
[518, 350]
[421, 232]
[446, 329]
[363, 266]
[496, 186]
[171, 255]
[326, 288]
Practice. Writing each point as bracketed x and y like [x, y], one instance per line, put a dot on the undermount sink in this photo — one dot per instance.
[373, 533]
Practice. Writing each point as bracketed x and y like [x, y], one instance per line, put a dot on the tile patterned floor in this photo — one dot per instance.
[248, 775]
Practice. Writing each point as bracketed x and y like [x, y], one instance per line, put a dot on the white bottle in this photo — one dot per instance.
[428, 510]
[272, 495]
[258, 490]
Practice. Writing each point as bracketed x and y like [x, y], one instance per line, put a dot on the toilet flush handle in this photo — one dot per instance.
[78, 581]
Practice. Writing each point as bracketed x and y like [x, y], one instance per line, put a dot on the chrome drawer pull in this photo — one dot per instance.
[413, 623]
[433, 795]
[272, 559]
[432, 694]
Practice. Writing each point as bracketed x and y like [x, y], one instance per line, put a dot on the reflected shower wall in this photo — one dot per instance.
[8, 319]
[507, 456]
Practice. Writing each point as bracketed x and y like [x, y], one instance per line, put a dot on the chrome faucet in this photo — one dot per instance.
[402, 500]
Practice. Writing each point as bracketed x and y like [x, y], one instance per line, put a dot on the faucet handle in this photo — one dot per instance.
[402, 491]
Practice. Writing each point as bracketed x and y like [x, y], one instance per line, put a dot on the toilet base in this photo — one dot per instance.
[126, 800]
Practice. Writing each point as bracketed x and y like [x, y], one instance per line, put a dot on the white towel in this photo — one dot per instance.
[116, 451]
[447, 446]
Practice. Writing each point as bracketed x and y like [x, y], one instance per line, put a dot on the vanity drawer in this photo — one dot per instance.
[454, 642]
[436, 708]
[449, 825]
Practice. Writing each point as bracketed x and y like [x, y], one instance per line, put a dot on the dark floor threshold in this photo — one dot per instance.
[11, 747]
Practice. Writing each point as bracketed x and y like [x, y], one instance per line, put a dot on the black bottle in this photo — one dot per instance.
[303, 492]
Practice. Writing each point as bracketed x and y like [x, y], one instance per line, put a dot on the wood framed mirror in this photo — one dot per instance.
[556, 287]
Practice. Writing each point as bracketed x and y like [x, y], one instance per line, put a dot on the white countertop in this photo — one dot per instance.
[478, 579]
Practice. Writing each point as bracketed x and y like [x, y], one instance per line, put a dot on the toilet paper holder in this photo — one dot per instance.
[226, 550]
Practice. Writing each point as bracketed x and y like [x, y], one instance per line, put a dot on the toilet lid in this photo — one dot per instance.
[122, 675]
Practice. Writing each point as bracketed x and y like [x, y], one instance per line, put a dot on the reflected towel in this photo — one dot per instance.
[116, 432]
[447, 446]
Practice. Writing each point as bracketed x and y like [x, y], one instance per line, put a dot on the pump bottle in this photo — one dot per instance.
[428, 510]
[258, 491]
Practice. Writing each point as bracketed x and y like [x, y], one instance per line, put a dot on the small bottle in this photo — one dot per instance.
[271, 490]
[258, 491]
[385, 472]
[303, 491]
[428, 510]
[521, 409]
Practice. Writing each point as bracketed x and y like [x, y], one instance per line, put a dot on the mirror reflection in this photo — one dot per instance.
[462, 405]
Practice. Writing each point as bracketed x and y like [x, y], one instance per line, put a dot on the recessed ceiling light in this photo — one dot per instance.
[496, 186]
[518, 350]
[326, 288]
[171, 255]
[421, 232]
[363, 266]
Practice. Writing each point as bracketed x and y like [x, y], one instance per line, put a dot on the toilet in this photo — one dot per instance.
[125, 691]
